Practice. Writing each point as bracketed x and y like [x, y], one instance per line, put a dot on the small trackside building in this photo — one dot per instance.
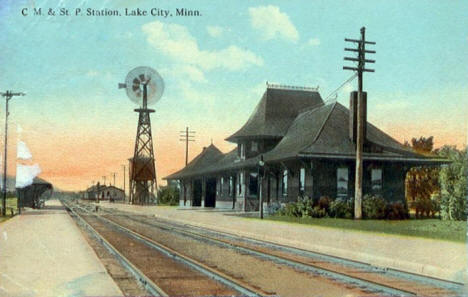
[308, 148]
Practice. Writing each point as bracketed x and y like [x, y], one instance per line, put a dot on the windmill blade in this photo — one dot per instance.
[144, 75]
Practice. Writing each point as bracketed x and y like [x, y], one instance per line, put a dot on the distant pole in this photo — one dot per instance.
[8, 96]
[361, 50]
[113, 174]
[186, 136]
[104, 178]
[123, 166]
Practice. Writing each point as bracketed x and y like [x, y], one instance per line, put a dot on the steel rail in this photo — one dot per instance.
[441, 283]
[147, 283]
[243, 289]
[444, 284]
[344, 278]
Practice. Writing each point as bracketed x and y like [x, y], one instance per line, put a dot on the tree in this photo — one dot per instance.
[453, 183]
[422, 182]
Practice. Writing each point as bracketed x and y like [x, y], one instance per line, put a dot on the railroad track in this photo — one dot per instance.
[380, 281]
[364, 276]
[421, 285]
[222, 284]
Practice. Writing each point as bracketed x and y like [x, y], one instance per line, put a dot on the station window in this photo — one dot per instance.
[231, 180]
[284, 184]
[253, 184]
[254, 147]
[242, 151]
[302, 174]
[342, 182]
[376, 179]
[241, 181]
[221, 186]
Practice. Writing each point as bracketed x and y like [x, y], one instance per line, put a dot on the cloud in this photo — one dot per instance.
[313, 42]
[176, 42]
[92, 73]
[272, 23]
[23, 152]
[215, 31]
[25, 174]
[185, 72]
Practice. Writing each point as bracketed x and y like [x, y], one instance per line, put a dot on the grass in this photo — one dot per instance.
[10, 203]
[427, 228]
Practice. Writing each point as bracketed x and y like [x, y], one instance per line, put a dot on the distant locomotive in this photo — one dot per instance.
[35, 194]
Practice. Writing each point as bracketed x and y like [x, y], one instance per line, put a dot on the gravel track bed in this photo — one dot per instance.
[270, 277]
[173, 277]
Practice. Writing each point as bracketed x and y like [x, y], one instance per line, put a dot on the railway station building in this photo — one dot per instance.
[104, 192]
[309, 149]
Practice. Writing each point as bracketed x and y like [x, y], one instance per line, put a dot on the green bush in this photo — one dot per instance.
[318, 212]
[290, 210]
[168, 196]
[302, 208]
[341, 208]
[452, 179]
[373, 207]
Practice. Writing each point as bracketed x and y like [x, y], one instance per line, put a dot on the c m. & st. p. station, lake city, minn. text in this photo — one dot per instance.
[128, 12]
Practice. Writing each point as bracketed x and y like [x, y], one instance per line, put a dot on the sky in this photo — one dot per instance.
[80, 127]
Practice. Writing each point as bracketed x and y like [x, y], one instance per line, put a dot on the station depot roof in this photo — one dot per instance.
[276, 111]
[319, 131]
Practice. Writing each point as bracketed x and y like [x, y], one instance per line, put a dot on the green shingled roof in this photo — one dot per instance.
[275, 112]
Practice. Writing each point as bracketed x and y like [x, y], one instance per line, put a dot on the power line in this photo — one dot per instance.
[341, 86]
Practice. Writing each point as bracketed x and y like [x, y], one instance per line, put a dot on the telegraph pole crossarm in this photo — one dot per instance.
[8, 96]
[360, 69]
[186, 136]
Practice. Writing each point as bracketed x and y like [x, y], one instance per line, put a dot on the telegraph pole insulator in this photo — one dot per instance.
[360, 138]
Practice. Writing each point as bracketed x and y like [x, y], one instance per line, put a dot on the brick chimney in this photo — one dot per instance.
[353, 99]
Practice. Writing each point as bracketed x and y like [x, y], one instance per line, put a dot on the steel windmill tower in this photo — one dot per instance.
[144, 86]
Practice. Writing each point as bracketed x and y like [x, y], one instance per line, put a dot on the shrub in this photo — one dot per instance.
[318, 212]
[340, 208]
[373, 207]
[168, 196]
[452, 180]
[274, 208]
[290, 210]
[396, 211]
[324, 203]
[425, 207]
[302, 208]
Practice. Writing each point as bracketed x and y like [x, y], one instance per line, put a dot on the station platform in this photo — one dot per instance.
[43, 253]
[435, 258]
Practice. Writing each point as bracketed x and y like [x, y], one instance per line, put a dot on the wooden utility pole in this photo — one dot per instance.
[360, 69]
[186, 136]
[113, 174]
[8, 96]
